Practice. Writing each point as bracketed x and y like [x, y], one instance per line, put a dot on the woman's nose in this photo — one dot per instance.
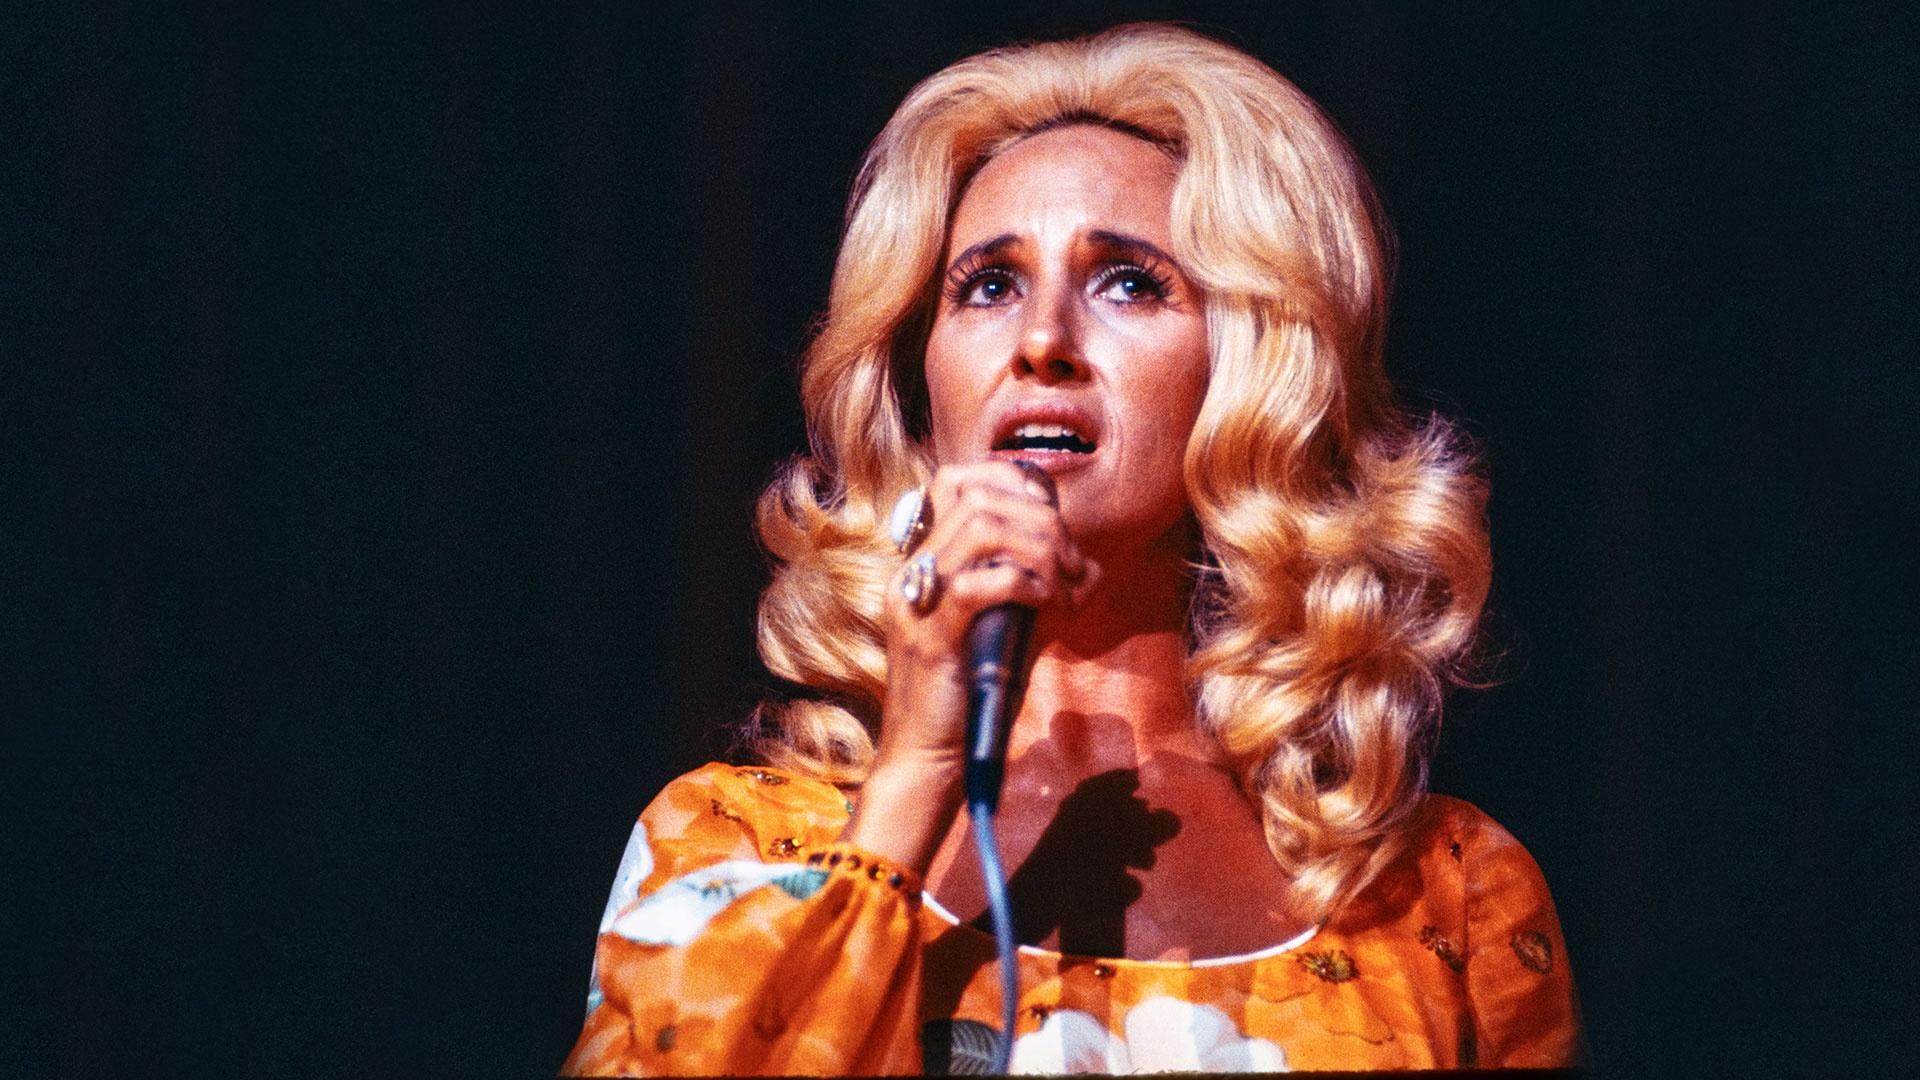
[1048, 349]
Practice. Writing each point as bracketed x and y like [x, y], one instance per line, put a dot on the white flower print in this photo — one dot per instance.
[1162, 1034]
[682, 908]
[636, 865]
[1070, 1041]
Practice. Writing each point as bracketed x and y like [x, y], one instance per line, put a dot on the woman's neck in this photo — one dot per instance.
[1114, 669]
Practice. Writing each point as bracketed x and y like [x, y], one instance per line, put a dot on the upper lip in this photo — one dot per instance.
[1065, 414]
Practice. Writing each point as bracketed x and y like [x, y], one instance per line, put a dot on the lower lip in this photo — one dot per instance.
[1056, 462]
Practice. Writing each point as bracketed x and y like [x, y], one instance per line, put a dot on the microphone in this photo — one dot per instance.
[996, 674]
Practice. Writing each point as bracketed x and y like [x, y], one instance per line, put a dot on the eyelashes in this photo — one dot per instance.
[967, 276]
[965, 280]
[1158, 282]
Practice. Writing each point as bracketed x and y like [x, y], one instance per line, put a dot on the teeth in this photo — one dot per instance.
[1042, 431]
[1051, 437]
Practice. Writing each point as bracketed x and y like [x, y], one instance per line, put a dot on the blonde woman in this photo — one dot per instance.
[1151, 266]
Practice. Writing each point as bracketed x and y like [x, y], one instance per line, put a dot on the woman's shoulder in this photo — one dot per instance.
[1445, 828]
[1469, 861]
[1453, 856]
[775, 812]
[751, 786]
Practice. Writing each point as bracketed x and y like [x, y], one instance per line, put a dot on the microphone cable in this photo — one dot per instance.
[981, 815]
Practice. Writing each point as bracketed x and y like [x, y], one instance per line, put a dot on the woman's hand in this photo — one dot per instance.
[996, 539]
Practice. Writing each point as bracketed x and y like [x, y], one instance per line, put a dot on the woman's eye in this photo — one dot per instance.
[1131, 286]
[987, 289]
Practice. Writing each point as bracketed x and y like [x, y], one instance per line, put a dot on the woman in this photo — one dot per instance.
[1148, 264]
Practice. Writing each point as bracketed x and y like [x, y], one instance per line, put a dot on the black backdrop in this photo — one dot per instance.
[395, 388]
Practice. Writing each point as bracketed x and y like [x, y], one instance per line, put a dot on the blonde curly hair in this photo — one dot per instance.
[1344, 557]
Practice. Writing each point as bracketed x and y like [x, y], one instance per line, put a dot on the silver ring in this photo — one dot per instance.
[908, 522]
[921, 585]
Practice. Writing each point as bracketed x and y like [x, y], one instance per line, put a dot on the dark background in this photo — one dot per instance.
[393, 389]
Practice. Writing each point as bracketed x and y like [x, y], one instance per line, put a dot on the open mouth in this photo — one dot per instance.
[1056, 438]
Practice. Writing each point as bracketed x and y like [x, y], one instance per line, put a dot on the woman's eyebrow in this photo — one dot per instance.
[1113, 243]
[985, 249]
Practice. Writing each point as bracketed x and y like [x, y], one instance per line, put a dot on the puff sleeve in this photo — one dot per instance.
[1525, 1013]
[741, 939]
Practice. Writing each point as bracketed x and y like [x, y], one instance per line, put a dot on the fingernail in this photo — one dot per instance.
[1039, 492]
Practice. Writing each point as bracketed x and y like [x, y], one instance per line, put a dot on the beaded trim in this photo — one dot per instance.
[847, 859]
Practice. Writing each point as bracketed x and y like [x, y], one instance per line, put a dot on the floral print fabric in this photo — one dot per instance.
[1161, 1034]
[741, 938]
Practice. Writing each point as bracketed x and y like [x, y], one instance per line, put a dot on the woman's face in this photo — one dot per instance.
[1066, 334]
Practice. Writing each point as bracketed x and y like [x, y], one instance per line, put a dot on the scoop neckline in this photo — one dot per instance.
[1287, 946]
[926, 899]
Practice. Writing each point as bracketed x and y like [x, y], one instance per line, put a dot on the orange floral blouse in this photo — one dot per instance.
[742, 939]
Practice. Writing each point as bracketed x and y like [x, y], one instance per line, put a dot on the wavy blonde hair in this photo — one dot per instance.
[1344, 556]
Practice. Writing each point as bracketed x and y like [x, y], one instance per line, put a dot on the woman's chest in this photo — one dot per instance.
[1133, 881]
